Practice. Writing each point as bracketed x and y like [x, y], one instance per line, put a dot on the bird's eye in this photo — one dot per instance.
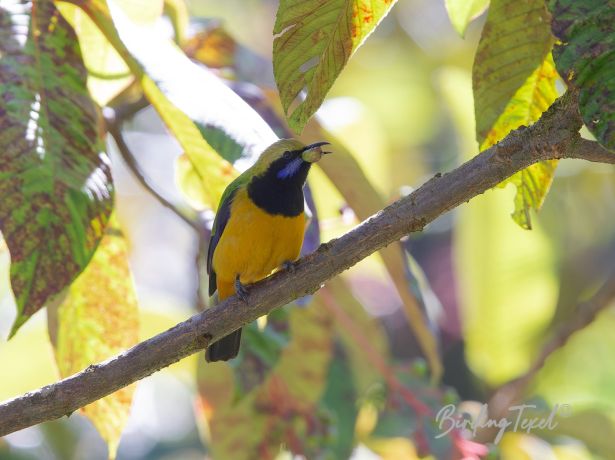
[287, 154]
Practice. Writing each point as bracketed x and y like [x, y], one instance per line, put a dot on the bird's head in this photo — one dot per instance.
[288, 160]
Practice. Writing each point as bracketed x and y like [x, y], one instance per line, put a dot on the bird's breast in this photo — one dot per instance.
[255, 242]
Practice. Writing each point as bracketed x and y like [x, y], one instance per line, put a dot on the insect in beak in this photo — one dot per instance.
[313, 152]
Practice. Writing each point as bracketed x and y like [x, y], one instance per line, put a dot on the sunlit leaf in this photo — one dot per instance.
[526, 106]
[177, 11]
[462, 12]
[314, 41]
[191, 101]
[55, 182]
[98, 319]
[216, 48]
[585, 60]
[108, 74]
[393, 448]
[592, 427]
[515, 40]
[507, 287]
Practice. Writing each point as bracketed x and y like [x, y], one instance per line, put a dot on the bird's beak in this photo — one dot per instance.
[313, 152]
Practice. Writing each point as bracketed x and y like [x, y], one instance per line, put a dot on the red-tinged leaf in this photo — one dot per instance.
[55, 182]
[315, 39]
[99, 319]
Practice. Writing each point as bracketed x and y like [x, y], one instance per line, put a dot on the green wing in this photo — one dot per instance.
[222, 217]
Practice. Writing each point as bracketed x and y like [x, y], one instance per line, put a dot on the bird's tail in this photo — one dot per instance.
[224, 349]
[228, 346]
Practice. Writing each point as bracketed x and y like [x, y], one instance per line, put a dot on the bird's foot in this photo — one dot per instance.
[241, 290]
[289, 266]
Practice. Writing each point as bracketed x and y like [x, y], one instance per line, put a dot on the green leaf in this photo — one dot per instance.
[515, 40]
[526, 106]
[108, 74]
[315, 40]
[55, 182]
[585, 59]
[340, 399]
[98, 319]
[508, 287]
[462, 12]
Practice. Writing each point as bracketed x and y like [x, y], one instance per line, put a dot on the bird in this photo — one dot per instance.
[259, 226]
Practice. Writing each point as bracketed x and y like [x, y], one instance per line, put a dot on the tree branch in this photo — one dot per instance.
[113, 124]
[555, 135]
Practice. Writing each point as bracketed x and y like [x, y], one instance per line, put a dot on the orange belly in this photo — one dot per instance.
[254, 243]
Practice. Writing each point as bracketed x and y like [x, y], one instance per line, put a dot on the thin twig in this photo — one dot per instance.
[553, 136]
[591, 151]
[113, 128]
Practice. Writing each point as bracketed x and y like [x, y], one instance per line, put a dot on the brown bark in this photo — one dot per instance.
[554, 136]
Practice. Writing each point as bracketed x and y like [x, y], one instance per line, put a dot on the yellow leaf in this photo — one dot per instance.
[526, 106]
[97, 319]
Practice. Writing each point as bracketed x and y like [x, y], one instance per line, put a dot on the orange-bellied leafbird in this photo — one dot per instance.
[259, 226]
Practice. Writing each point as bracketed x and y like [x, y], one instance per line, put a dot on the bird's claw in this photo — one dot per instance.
[289, 266]
[241, 290]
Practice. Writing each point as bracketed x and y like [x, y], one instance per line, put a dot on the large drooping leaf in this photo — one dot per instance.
[108, 74]
[194, 104]
[508, 291]
[97, 319]
[515, 40]
[462, 12]
[526, 106]
[55, 182]
[315, 39]
[585, 59]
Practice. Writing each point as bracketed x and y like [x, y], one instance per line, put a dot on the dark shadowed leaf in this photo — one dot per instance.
[515, 40]
[585, 59]
[55, 183]
[283, 410]
[314, 42]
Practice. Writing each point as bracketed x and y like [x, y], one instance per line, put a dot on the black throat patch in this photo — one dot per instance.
[279, 196]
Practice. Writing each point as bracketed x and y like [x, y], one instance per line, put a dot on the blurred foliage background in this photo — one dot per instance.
[403, 107]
